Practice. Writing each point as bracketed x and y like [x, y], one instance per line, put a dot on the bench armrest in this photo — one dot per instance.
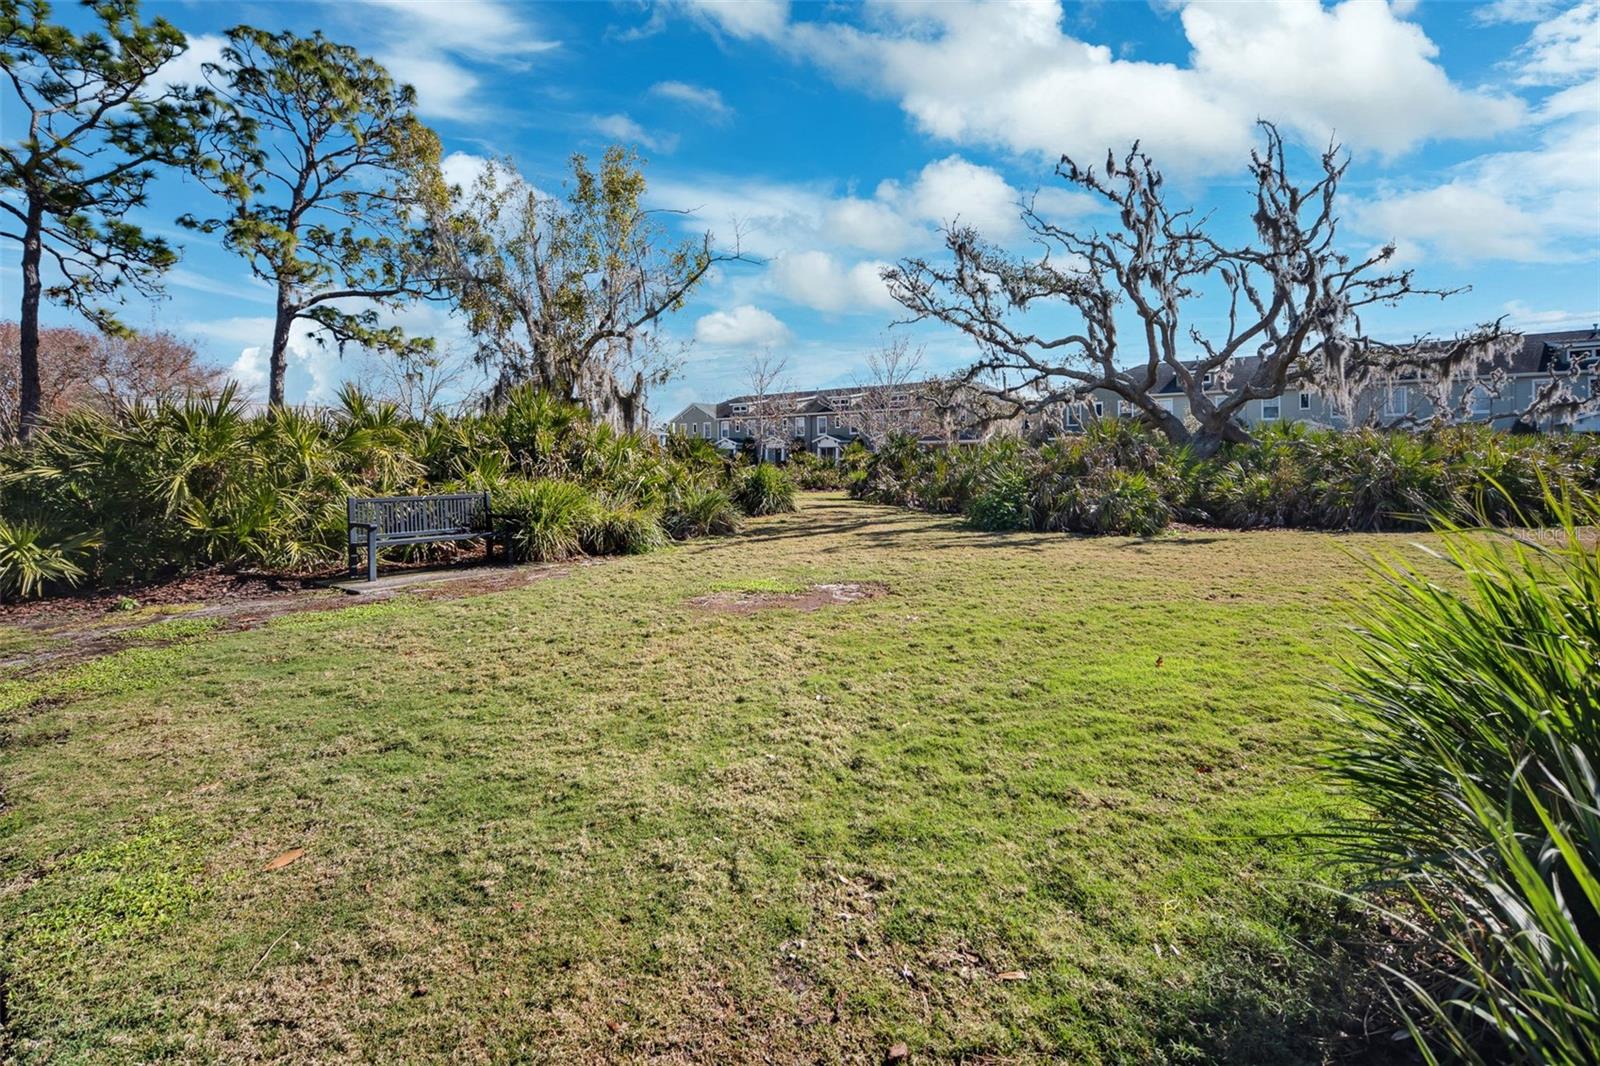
[360, 525]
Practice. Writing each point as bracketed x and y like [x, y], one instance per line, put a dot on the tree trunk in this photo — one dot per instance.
[30, 407]
[279, 362]
[1210, 439]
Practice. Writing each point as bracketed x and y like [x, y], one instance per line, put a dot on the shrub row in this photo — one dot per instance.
[155, 491]
[1118, 478]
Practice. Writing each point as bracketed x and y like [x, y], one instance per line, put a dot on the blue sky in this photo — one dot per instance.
[839, 137]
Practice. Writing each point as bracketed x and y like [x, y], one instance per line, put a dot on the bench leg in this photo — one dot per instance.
[372, 555]
[352, 556]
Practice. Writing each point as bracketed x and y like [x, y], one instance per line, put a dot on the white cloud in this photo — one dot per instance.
[445, 88]
[820, 281]
[1516, 11]
[1522, 316]
[743, 19]
[188, 67]
[1006, 74]
[953, 188]
[776, 217]
[743, 326]
[428, 45]
[1535, 204]
[622, 128]
[483, 28]
[707, 100]
[1462, 221]
[313, 371]
[463, 169]
[1564, 48]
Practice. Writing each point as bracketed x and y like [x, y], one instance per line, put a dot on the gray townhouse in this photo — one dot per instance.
[820, 421]
[1535, 363]
[825, 421]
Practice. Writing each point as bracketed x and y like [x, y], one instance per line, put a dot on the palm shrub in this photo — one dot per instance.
[1468, 745]
[545, 520]
[32, 560]
[700, 511]
[814, 472]
[763, 489]
[620, 526]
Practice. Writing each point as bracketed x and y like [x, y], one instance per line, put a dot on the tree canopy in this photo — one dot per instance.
[97, 126]
[568, 292]
[324, 167]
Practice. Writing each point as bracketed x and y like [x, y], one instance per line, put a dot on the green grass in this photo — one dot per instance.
[587, 820]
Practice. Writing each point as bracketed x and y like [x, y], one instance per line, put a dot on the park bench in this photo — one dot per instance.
[383, 521]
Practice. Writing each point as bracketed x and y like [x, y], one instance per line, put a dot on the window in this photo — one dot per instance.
[1305, 400]
[1124, 408]
[1208, 381]
[1482, 400]
[1269, 410]
[705, 430]
[1165, 403]
[800, 427]
[738, 425]
[740, 408]
[1099, 408]
[1399, 400]
[722, 430]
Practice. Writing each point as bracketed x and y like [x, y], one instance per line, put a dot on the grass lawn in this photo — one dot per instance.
[1030, 803]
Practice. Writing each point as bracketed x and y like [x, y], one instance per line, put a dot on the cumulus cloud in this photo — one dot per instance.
[313, 373]
[187, 68]
[743, 326]
[1008, 75]
[820, 281]
[706, 100]
[1535, 204]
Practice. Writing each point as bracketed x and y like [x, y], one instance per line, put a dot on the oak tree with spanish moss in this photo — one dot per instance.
[1294, 304]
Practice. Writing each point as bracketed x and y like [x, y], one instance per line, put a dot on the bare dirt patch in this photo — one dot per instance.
[811, 598]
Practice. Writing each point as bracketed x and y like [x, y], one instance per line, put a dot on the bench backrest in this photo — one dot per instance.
[456, 512]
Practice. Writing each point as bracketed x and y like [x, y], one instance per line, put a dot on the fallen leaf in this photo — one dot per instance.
[1012, 975]
[615, 1027]
[284, 860]
[898, 1052]
[1160, 659]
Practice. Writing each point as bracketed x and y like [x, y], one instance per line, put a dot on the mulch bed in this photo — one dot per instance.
[206, 586]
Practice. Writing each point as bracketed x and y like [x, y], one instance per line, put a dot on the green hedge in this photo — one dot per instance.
[159, 490]
[1118, 478]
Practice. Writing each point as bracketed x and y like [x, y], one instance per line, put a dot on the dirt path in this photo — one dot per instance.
[50, 634]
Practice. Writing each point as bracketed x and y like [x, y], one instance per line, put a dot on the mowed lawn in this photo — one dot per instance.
[1042, 799]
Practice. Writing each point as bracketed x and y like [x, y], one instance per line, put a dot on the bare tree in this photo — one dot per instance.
[894, 398]
[100, 371]
[1293, 303]
[767, 380]
[424, 383]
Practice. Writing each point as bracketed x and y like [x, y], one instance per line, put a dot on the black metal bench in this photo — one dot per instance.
[382, 521]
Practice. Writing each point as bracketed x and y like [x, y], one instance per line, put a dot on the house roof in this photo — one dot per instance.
[695, 412]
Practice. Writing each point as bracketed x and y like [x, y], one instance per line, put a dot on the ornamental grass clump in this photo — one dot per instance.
[763, 489]
[1469, 749]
